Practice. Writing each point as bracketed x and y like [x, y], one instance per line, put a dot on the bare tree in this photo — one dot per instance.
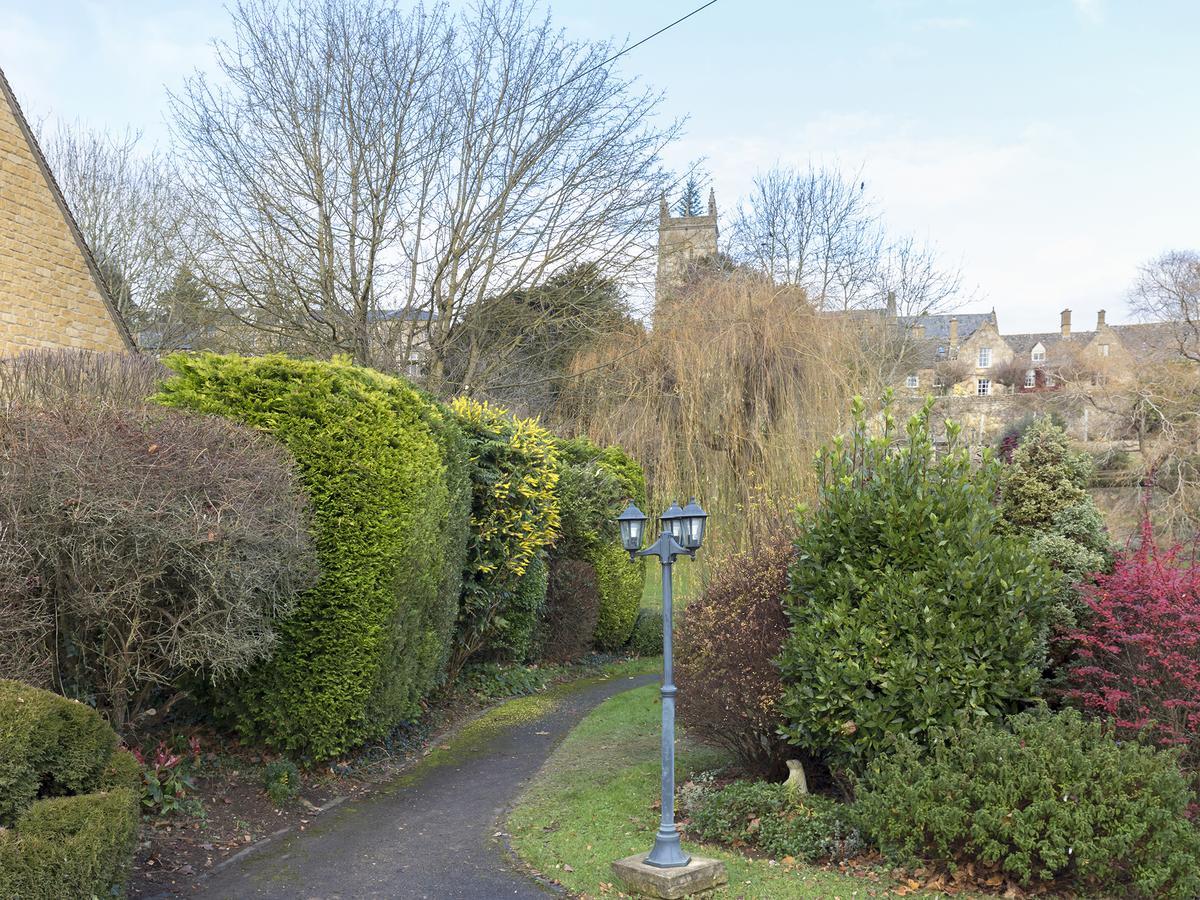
[1168, 290]
[124, 199]
[370, 173]
[816, 228]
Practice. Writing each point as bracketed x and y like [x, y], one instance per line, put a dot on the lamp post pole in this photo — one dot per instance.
[686, 525]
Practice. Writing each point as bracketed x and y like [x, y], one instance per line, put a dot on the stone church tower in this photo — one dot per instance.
[682, 242]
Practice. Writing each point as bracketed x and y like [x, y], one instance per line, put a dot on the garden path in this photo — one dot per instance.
[435, 833]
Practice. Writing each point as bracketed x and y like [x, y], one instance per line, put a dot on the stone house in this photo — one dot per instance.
[51, 293]
[966, 354]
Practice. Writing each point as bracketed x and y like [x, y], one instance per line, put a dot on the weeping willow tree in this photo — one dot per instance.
[728, 397]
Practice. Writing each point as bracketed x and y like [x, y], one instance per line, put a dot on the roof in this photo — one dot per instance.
[61, 202]
[409, 314]
[1023, 344]
[1152, 340]
[938, 326]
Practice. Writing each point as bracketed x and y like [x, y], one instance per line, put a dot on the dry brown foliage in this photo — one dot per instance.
[728, 397]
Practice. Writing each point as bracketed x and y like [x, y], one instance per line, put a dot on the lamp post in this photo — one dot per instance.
[682, 533]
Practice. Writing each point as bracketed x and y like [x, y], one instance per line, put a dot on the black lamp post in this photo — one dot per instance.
[682, 533]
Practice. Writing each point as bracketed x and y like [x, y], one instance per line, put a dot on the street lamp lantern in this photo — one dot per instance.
[693, 525]
[633, 526]
[672, 521]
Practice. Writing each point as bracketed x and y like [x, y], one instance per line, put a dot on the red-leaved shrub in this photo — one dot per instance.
[1138, 658]
[729, 687]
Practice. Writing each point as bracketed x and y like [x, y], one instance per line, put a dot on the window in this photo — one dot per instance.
[1039, 354]
[1031, 379]
[984, 387]
[941, 350]
[1049, 380]
[1104, 349]
[912, 381]
[985, 357]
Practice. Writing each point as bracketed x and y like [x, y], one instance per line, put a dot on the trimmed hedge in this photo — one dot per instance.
[49, 747]
[367, 641]
[70, 803]
[620, 584]
[1050, 798]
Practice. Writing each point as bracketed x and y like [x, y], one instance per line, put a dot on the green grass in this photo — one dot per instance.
[688, 579]
[591, 804]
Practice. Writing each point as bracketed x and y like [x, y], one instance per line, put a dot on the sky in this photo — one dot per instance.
[1046, 148]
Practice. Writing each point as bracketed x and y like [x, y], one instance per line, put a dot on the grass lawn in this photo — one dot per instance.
[591, 804]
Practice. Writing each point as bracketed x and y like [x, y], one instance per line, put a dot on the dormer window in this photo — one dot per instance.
[941, 350]
[985, 357]
[1038, 354]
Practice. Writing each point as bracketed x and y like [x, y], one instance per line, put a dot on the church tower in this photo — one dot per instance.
[682, 242]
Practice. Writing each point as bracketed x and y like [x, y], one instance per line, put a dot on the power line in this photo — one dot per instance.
[550, 93]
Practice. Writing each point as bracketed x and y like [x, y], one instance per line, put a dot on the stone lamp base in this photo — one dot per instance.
[697, 876]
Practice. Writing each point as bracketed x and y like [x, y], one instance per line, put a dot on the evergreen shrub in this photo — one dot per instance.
[729, 636]
[515, 630]
[68, 800]
[366, 642]
[1051, 798]
[647, 638]
[768, 816]
[572, 606]
[594, 486]
[514, 517]
[909, 606]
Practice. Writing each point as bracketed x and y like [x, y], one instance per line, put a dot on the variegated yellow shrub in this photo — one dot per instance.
[514, 517]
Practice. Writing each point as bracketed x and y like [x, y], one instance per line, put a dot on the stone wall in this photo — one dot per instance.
[48, 294]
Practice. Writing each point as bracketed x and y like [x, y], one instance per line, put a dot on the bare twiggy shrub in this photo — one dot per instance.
[727, 397]
[730, 687]
[138, 544]
[57, 378]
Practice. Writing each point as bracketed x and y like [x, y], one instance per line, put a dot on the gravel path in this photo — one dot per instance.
[432, 835]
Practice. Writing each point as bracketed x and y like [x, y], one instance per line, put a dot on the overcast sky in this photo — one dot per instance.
[1048, 147]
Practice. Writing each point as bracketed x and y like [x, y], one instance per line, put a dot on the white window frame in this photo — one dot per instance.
[1038, 354]
[912, 381]
[1031, 379]
[1104, 349]
[983, 387]
[985, 357]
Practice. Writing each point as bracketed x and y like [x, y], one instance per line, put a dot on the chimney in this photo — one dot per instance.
[891, 304]
[1066, 323]
[953, 331]
[1100, 323]
[919, 331]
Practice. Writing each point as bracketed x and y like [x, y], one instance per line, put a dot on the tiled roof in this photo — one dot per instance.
[1150, 340]
[938, 326]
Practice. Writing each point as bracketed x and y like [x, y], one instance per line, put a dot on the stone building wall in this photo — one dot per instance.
[50, 295]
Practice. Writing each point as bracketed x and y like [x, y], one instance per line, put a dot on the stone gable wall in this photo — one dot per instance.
[48, 295]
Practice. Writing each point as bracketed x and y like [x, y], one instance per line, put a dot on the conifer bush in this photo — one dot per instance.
[68, 799]
[1050, 798]
[909, 606]
[367, 640]
[1136, 660]
[572, 605]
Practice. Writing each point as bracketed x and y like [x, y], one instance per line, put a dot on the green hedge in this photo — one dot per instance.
[368, 640]
[49, 746]
[595, 484]
[70, 803]
[1049, 799]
